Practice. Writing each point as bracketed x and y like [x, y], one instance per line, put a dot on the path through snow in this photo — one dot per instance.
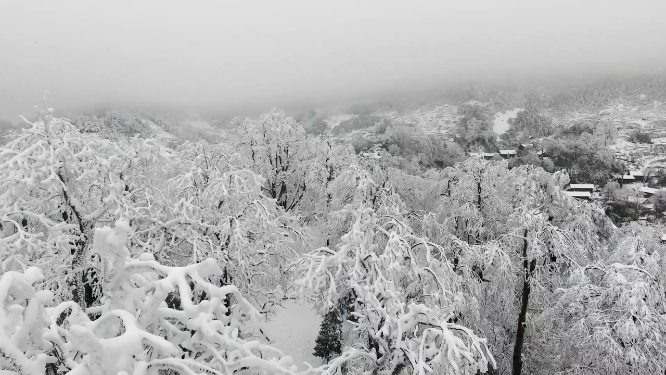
[294, 330]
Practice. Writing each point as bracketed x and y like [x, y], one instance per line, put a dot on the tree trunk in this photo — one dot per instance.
[78, 261]
[528, 267]
[478, 196]
[80, 252]
[398, 369]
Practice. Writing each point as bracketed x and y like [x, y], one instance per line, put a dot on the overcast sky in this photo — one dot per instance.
[222, 55]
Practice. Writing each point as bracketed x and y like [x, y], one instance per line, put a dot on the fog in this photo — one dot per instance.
[219, 56]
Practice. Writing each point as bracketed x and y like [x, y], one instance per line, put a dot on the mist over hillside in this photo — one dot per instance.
[251, 58]
[307, 188]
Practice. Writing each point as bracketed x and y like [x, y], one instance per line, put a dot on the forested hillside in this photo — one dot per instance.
[333, 188]
[131, 244]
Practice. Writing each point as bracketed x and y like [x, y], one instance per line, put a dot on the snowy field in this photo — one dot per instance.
[294, 331]
[501, 124]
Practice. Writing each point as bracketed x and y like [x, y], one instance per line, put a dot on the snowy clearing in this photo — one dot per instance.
[294, 330]
[502, 120]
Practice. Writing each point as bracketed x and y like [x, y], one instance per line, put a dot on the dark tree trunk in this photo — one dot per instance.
[528, 268]
[478, 196]
[78, 271]
[77, 282]
[398, 369]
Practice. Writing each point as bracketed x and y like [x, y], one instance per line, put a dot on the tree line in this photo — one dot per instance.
[125, 255]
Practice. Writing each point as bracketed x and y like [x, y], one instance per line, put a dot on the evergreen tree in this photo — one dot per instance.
[328, 343]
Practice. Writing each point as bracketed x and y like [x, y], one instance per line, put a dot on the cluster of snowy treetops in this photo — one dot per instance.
[127, 257]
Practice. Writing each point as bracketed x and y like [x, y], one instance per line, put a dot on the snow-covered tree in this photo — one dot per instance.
[610, 318]
[331, 158]
[297, 169]
[212, 208]
[137, 332]
[277, 149]
[358, 187]
[57, 186]
[406, 297]
[513, 236]
[551, 235]
[115, 124]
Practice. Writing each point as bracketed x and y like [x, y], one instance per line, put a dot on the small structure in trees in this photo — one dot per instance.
[647, 192]
[525, 146]
[483, 155]
[586, 195]
[371, 155]
[582, 187]
[628, 178]
[625, 179]
[507, 154]
[638, 175]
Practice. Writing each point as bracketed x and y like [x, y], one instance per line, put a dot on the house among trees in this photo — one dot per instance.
[483, 155]
[506, 154]
[624, 179]
[647, 192]
[581, 191]
[372, 155]
[525, 146]
[584, 195]
[638, 175]
[582, 187]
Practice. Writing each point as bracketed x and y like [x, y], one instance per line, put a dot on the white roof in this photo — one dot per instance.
[636, 173]
[481, 154]
[372, 155]
[632, 198]
[628, 177]
[579, 194]
[663, 237]
[508, 152]
[581, 186]
[645, 189]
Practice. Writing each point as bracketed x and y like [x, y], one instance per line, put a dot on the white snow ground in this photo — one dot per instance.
[295, 327]
[501, 124]
[294, 330]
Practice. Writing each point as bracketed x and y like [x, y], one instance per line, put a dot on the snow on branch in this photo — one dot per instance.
[610, 315]
[406, 297]
[139, 327]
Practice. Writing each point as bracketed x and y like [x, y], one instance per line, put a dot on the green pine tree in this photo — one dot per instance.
[328, 343]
